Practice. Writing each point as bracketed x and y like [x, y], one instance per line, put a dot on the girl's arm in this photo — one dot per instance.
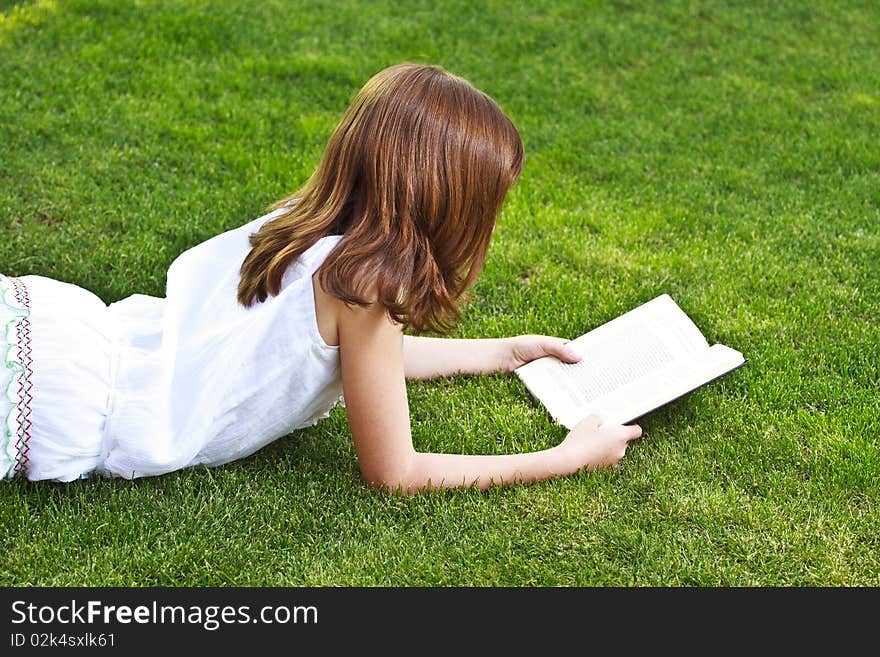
[372, 359]
[428, 358]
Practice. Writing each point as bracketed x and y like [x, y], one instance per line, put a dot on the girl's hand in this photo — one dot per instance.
[526, 348]
[593, 445]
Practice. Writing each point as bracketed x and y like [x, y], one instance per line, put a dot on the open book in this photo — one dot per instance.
[631, 366]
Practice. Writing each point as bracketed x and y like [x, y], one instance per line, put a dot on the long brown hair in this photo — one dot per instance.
[413, 178]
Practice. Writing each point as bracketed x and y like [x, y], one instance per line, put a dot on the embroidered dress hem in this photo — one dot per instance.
[59, 348]
[15, 405]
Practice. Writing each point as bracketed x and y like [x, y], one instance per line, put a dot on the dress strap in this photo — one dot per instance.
[318, 252]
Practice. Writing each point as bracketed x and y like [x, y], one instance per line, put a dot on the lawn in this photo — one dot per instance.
[725, 153]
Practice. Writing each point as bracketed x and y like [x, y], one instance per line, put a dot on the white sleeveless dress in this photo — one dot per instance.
[150, 385]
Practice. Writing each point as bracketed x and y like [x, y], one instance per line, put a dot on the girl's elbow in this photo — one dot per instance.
[398, 488]
[394, 478]
[389, 484]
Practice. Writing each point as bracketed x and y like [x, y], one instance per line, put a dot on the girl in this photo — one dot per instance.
[264, 327]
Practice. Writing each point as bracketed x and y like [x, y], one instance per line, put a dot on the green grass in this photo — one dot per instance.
[726, 153]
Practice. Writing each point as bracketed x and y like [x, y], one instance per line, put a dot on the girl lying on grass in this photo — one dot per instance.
[266, 326]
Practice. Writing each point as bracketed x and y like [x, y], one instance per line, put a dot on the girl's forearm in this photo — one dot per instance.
[428, 358]
[431, 470]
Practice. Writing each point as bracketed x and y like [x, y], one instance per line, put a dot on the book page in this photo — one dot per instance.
[660, 317]
[636, 348]
[661, 386]
[618, 352]
[611, 363]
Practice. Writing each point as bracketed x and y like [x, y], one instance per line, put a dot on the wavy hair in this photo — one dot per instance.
[413, 177]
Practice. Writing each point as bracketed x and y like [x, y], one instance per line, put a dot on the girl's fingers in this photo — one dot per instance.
[559, 347]
[635, 431]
